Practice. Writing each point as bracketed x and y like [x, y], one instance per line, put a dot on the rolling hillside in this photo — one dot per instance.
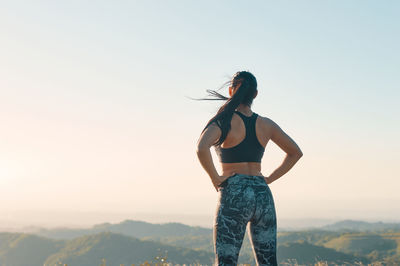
[135, 242]
[305, 253]
[29, 250]
[26, 249]
[119, 249]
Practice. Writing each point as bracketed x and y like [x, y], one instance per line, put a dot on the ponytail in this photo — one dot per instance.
[243, 95]
[224, 115]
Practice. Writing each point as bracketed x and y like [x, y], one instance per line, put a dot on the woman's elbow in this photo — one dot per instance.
[201, 148]
[296, 154]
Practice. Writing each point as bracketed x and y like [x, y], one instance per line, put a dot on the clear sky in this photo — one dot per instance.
[95, 116]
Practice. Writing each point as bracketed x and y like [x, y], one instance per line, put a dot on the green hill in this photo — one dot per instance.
[26, 250]
[185, 244]
[120, 249]
[316, 237]
[375, 246]
[18, 249]
[303, 252]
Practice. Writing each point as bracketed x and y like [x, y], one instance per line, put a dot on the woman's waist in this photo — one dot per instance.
[243, 179]
[247, 168]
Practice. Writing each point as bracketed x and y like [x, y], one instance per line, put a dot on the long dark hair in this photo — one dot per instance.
[243, 95]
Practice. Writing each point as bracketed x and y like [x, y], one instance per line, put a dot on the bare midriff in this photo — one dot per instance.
[246, 168]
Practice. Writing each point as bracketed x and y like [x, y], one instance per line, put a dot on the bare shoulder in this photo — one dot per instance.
[209, 136]
[214, 127]
[279, 136]
[212, 130]
[270, 126]
[266, 122]
[265, 127]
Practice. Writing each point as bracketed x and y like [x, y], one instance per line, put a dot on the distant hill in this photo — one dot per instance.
[132, 228]
[120, 249]
[303, 252]
[142, 229]
[361, 243]
[373, 245]
[175, 234]
[29, 250]
[136, 241]
[198, 238]
[18, 249]
[354, 225]
[23, 249]
[316, 236]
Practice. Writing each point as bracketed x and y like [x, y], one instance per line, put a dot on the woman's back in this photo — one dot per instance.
[244, 143]
[227, 129]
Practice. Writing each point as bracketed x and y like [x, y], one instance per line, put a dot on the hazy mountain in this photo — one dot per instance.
[134, 242]
[373, 245]
[25, 249]
[130, 228]
[354, 225]
[303, 252]
[29, 250]
[120, 249]
[142, 229]
[316, 237]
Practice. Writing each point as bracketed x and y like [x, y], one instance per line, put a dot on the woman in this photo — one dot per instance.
[239, 136]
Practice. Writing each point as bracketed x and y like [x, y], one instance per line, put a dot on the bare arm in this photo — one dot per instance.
[293, 152]
[206, 140]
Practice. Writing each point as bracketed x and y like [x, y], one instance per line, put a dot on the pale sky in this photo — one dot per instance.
[95, 116]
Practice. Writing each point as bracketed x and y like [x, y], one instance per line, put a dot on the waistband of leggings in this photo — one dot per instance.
[248, 176]
[244, 177]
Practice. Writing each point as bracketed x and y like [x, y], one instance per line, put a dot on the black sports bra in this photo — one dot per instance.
[249, 150]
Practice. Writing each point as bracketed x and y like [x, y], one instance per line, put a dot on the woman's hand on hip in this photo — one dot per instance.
[268, 180]
[219, 179]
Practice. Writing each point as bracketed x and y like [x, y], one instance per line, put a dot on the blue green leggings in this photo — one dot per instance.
[245, 200]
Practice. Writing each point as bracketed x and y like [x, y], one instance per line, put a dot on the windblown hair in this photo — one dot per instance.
[243, 95]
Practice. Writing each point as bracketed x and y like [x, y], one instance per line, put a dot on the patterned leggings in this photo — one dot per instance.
[245, 199]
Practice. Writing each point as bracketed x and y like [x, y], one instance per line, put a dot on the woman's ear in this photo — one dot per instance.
[255, 94]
